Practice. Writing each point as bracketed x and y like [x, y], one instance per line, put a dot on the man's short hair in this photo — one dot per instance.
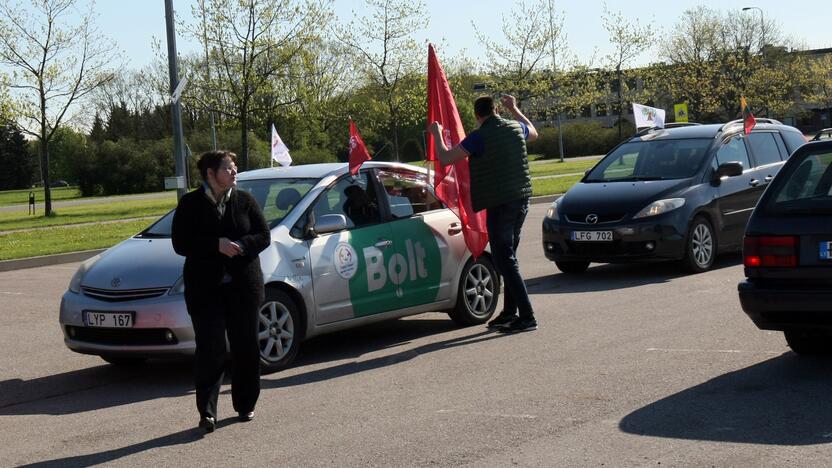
[212, 160]
[484, 106]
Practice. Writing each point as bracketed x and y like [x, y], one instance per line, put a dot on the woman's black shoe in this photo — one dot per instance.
[207, 423]
[245, 417]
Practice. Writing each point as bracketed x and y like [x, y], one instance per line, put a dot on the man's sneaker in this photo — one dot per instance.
[520, 325]
[503, 320]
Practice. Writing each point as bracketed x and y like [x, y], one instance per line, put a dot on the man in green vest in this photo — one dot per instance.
[500, 184]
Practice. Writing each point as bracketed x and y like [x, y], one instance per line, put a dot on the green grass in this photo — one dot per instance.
[553, 186]
[89, 213]
[21, 197]
[557, 167]
[66, 239]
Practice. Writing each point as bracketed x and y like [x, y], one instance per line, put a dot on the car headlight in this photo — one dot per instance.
[75, 282]
[660, 207]
[552, 212]
[178, 287]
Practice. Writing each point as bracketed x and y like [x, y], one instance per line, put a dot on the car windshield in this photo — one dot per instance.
[651, 160]
[803, 188]
[276, 198]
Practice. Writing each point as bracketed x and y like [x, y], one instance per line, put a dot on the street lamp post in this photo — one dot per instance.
[762, 25]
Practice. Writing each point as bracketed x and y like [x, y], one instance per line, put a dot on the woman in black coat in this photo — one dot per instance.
[220, 231]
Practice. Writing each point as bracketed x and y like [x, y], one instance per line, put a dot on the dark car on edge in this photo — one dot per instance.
[787, 253]
[678, 193]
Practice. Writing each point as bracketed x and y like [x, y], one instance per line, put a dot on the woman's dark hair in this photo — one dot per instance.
[484, 106]
[212, 160]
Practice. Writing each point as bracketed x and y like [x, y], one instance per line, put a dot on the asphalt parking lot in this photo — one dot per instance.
[632, 366]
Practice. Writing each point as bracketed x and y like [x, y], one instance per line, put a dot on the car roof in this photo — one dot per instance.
[317, 171]
[705, 131]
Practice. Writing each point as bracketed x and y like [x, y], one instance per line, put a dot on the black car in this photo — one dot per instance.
[787, 253]
[680, 193]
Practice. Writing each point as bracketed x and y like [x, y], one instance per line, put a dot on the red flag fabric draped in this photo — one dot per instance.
[748, 120]
[358, 151]
[452, 183]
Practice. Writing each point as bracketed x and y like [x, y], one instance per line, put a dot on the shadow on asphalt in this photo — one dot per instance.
[355, 343]
[781, 401]
[95, 388]
[608, 277]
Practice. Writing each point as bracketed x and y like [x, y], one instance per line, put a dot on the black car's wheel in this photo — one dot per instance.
[700, 250]
[572, 267]
[123, 361]
[809, 344]
[478, 291]
[279, 331]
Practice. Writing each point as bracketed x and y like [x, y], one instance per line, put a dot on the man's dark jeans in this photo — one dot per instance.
[504, 223]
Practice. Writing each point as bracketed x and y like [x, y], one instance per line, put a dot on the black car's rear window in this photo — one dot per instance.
[803, 188]
[652, 160]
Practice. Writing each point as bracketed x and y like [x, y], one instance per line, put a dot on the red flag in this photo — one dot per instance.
[358, 152]
[748, 120]
[452, 182]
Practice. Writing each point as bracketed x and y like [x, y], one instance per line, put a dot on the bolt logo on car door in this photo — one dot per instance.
[398, 275]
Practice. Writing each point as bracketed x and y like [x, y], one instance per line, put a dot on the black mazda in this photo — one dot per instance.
[680, 193]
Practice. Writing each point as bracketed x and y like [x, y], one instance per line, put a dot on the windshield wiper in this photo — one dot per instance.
[638, 178]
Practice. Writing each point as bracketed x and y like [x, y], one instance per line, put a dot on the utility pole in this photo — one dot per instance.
[176, 116]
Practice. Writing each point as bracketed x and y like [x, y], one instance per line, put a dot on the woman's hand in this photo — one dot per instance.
[228, 248]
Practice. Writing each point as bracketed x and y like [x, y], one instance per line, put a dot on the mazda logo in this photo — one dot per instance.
[592, 218]
[116, 282]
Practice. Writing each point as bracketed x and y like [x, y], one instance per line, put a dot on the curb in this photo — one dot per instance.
[46, 260]
[70, 257]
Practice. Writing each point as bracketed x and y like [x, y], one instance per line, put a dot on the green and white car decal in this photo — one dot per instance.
[405, 274]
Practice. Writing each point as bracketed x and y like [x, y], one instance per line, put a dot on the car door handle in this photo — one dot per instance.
[454, 228]
[383, 244]
[754, 182]
[768, 178]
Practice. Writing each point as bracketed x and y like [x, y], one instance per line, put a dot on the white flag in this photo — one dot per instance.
[280, 153]
[647, 116]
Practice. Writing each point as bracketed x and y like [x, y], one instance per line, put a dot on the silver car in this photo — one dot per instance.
[345, 251]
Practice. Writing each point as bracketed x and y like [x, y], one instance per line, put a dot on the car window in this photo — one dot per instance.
[733, 150]
[407, 193]
[794, 140]
[161, 228]
[764, 148]
[804, 188]
[352, 197]
[652, 160]
[277, 197]
[784, 153]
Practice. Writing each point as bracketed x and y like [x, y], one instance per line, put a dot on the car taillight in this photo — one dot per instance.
[770, 251]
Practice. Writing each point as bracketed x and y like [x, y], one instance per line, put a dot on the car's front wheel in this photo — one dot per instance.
[809, 344]
[700, 250]
[279, 332]
[572, 267]
[479, 289]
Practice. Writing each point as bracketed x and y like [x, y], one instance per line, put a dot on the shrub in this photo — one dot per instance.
[579, 139]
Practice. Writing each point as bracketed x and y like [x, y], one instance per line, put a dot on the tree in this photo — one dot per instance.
[18, 166]
[629, 40]
[390, 56]
[250, 44]
[819, 88]
[56, 64]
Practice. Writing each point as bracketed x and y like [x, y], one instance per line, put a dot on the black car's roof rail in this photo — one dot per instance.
[758, 119]
[681, 124]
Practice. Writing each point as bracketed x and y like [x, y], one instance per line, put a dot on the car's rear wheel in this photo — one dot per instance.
[123, 361]
[809, 344]
[572, 267]
[477, 294]
[279, 331]
[700, 250]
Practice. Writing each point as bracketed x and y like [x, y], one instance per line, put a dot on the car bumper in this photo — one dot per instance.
[773, 308]
[645, 241]
[161, 327]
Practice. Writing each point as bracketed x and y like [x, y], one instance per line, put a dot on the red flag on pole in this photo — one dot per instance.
[748, 120]
[358, 151]
[452, 183]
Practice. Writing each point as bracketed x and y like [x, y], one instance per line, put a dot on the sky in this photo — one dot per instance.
[134, 23]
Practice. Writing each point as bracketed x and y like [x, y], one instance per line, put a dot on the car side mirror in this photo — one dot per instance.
[329, 223]
[728, 169]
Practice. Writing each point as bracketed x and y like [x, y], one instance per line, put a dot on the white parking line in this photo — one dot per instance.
[11, 293]
[723, 351]
[491, 415]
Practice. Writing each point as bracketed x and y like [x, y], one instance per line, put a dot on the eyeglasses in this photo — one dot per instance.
[229, 168]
